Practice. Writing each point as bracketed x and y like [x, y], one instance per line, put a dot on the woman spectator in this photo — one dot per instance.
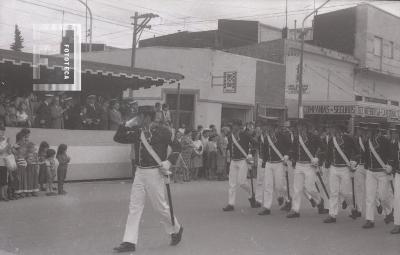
[4, 152]
[197, 157]
[115, 115]
[22, 117]
[57, 118]
[166, 115]
[177, 169]
[187, 150]
[222, 145]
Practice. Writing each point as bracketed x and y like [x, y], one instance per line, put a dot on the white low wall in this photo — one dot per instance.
[94, 154]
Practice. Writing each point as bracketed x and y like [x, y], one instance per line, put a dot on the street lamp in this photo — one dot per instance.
[300, 101]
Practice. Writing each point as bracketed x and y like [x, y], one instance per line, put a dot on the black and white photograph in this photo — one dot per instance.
[199, 127]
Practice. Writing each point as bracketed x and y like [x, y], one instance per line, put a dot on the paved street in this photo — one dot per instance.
[90, 220]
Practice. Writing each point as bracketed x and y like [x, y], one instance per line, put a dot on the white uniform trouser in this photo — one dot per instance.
[325, 179]
[150, 181]
[304, 178]
[396, 204]
[238, 177]
[359, 182]
[260, 182]
[274, 179]
[340, 185]
[377, 183]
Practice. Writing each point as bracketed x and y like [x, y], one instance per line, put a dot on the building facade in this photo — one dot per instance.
[218, 86]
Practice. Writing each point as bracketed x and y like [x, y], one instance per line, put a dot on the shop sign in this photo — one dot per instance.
[329, 109]
[230, 82]
[294, 89]
[365, 111]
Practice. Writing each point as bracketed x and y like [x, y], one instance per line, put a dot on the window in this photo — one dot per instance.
[395, 103]
[376, 100]
[377, 46]
[359, 98]
[391, 50]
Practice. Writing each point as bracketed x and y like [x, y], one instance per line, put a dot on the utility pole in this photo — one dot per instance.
[91, 24]
[137, 31]
[300, 100]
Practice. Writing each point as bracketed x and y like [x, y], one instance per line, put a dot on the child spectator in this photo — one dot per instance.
[32, 161]
[63, 160]
[51, 166]
[44, 146]
[20, 154]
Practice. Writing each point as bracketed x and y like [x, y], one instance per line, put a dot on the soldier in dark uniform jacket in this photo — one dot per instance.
[149, 174]
[377, 180]
[43, 114]
[304, 168]
[396, 182]
[239, 164]
[275, 166]
[339, 170]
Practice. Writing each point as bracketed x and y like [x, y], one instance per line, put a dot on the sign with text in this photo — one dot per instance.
[230, 82]
[360, 110]
[65, 75]
[294, 89]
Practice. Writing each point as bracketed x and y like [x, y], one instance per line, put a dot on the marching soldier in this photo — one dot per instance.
[361, 144]
[326, 136]
[396, 184]
[239, 146]
[377, 181]
[304, 160]
[340, 161]
[275, 157]
[260, 131]
[151, 142]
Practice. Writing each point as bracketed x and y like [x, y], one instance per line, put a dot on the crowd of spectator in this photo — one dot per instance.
[63, 112]
[25, 171]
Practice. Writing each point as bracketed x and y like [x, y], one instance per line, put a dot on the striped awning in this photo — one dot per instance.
[55, 63]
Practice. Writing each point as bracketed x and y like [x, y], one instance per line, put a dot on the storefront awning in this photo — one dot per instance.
[16, 71]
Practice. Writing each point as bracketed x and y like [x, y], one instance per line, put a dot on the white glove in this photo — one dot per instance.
[314, 162]
[285, 158]
[353, 165]
[249, 156]
[388, 169]
[165, 166]
[132, 122]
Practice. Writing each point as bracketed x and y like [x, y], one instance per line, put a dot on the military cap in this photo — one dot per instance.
[68, 99]
[48, 95]
[92, 96]
[373, 126]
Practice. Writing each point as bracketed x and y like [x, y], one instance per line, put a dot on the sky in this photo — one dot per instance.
[112, 22]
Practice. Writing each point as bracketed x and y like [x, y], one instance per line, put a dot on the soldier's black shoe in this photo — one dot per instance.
[389, 218]
[379, 209]
[355, 214]
[125, 247]
[344, 205]
[313, 204]
[280, 201]
[258, 204]
[228, 208]
[287, 206]
[265, 212]
[176, 237]
[395, 231]
[330, 219]
[293, 214]
[321, 208]
[252, 201]
[368, 224]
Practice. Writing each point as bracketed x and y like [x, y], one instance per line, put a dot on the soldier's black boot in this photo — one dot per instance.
[280, 201]
[396, 230]
[293, 214]
[389, 218]
[330, 219]
[125, 247]
[344, 205]
[252, 201]
[265, 211]
[287, 206]
[355, 214]
[368, 224]
[228, 208]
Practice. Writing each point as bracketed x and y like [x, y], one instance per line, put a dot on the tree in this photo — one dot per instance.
[18, 40]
